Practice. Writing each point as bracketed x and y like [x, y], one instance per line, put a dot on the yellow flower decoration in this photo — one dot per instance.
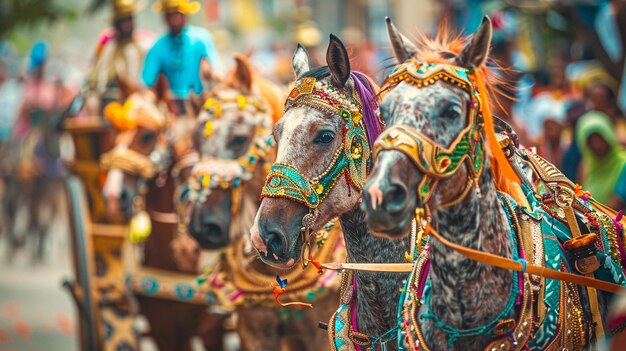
[209, 103]
[205, 180]
[119, 115]
[208, 129]
[241, 102]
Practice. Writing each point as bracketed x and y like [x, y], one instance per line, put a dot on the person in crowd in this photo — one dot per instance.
[40, 95]
[10, 97]
[603, 98]
[604, 160]
[544, 116]
[571, 157]
[182, 55]
[119, 55]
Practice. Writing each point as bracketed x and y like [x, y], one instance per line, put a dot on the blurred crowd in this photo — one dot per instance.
[564, 66]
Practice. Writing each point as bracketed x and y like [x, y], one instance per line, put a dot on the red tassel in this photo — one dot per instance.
[348, 183]
[279, 291]
[317, 264]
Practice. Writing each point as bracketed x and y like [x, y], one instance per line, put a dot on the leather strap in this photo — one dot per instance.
[486, 258]
[163, 217]
[506, 263]
[370, 267]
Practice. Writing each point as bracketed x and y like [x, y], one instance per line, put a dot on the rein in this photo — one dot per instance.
[485, 258]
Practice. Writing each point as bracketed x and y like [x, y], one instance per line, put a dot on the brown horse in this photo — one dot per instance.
[220, 201]
[151, 149]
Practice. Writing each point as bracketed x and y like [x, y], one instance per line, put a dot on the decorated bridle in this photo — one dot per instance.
[351, 159]
[127, 118]
[438, 162]
[212, 173]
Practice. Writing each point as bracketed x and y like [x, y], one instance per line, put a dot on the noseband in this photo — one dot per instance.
[350, 160]
[437, 162]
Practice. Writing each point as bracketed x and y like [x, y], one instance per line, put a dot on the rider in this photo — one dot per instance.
[182, 55]
[119, 55]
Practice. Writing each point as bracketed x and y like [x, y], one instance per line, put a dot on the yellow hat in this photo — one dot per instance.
[183, 6]
[126, 8]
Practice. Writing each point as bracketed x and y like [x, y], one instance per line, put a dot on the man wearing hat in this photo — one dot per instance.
[119, 54]
[180, 54]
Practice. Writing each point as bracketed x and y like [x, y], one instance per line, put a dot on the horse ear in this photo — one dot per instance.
[243, 72]
[403, 49]
[476, 52]
[300, 61]
[338, 62]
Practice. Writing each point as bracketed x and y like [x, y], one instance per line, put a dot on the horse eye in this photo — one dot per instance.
[325, 138]
[147, 138]
[238, 141]
[452, 112]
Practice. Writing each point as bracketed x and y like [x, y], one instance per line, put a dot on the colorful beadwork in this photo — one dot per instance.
[435, 160]
[351, 158]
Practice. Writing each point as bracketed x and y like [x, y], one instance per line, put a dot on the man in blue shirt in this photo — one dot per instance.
[179, 53]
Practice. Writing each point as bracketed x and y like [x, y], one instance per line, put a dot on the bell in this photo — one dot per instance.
[140, 227]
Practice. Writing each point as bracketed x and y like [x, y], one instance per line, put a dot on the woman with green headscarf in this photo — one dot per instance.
[604, 160]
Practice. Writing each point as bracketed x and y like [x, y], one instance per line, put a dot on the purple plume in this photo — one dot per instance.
[370, 104]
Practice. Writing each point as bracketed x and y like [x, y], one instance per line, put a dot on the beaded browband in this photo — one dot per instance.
[434, 160]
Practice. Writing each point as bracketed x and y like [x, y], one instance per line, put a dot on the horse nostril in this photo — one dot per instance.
[395, 198]
[275, 245]
[208, 234]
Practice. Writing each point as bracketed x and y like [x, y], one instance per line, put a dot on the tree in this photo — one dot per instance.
[27, 13]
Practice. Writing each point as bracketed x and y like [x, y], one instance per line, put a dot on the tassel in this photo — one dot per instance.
[280, 289]
[348, 183]
[317, 264]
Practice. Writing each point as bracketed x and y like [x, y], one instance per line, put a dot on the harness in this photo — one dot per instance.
[351, 159]
[435, 161]
[548, 234]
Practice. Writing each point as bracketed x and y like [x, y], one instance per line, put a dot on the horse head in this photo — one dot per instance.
[137, 153]
[323, 155]
[436, 113]
[233, 137]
